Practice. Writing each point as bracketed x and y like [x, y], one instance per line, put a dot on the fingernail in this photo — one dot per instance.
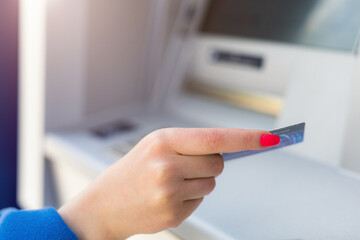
[269, 140]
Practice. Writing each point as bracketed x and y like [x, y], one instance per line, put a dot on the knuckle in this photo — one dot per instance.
[171, 218]
[176, 223]
[212, 184]
[163, 170]
[166, 190]
[163, 198]
[157, 140]
[200, 200]
[219, 165]
[165, 195]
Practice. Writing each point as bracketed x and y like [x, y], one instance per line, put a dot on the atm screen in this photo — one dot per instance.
[331, 24]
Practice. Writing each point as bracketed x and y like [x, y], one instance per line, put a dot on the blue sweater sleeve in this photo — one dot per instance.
[33, 225]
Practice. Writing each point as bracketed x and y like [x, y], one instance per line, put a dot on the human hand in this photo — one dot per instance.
[158, 184]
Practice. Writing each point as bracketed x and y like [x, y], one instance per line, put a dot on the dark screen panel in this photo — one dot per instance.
[322, 23]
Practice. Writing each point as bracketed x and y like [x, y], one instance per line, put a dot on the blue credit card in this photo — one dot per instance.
[288, 136]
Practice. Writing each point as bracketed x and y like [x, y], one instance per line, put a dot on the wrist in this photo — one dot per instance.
[83, 218]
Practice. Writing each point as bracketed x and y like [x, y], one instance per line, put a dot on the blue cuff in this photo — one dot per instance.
[40, 224]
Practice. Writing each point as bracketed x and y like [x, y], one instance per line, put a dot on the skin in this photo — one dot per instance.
[157, 185]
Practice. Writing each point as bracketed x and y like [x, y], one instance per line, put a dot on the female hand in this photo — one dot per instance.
[157, 185]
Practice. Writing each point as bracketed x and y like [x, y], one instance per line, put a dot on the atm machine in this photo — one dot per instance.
[98, 76]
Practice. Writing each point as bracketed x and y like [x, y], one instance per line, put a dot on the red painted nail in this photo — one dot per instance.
[269, 140]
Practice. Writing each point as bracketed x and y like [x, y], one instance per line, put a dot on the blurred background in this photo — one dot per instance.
[8, 101]
[83, 81]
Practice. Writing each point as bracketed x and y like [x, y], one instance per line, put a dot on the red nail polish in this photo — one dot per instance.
[269, 140]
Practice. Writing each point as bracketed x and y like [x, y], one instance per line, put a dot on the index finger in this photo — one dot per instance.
[202, 141]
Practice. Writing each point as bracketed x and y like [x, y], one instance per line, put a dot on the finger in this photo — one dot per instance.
[203, 141]
[201, 166]
[198, 188]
